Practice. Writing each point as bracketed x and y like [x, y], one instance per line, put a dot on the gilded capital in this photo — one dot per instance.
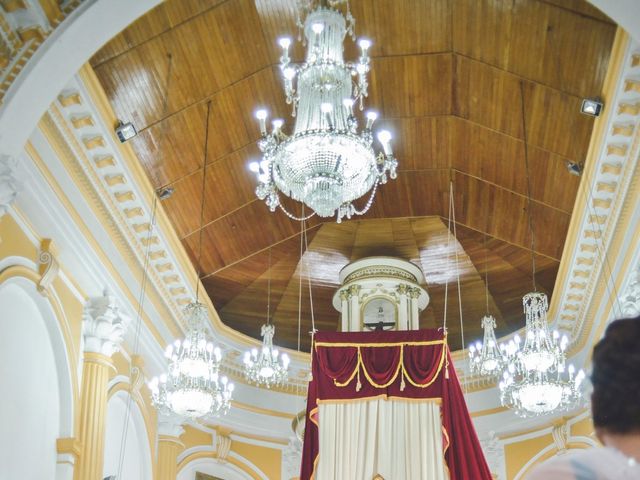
[402, 289]
[344, 295]
[103, 326]
[414, 292]
[353, 291]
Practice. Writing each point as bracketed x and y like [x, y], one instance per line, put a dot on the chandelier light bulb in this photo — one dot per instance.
[254, 167]
[317, 28]
[289, 73]
[371, 117]
[284, 42]
[277, 124]
[261, 114]
[384, 136]
[326, 107]
[364, 44]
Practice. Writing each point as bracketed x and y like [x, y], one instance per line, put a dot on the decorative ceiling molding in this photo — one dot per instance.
[603, 190]
[23, 28]
[121, 199]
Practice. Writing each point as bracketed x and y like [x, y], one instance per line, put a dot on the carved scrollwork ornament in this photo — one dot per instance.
[48, 266]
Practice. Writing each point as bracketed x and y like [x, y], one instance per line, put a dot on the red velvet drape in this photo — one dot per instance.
[411, 364]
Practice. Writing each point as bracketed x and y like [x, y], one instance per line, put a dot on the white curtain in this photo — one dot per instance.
[399, 440]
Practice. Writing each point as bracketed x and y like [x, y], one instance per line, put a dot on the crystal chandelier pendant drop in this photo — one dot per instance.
[328, 161]
[534, 381]
[192, 386]
[486, 358]
[266, 366]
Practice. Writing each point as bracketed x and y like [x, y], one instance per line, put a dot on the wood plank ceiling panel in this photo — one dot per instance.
[446, 80]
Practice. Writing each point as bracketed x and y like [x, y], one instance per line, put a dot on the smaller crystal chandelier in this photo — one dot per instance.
[192, 386]
[486, 358]
[266, 366]
[534, 381]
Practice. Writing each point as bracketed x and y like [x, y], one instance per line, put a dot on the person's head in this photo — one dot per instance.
[615, 401]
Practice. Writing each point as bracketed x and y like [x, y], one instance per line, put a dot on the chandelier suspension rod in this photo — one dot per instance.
[269, 288]
[528, 174]
[313, 320]
[446, 283]
[145, 270]
[486, 272]
[204, 179]
[455, 246]
[302, 229]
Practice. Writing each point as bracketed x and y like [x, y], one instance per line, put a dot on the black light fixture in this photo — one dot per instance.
[574, 168]
[591, 106]
[125, 131]
[165, 192]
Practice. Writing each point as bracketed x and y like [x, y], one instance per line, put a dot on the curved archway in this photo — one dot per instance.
[38, 399]
[136, 461]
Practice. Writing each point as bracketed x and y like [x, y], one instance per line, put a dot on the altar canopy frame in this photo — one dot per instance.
[409, 366]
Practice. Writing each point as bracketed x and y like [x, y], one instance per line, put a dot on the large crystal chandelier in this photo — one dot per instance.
[534, 381]
[192, 386]
[327, 162]
[266, 366]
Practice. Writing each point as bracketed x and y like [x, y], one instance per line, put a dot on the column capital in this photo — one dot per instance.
[103, 326]
[170, 427]
[9, 183]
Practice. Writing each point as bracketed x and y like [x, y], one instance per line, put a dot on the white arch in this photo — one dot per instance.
[61, 55]
[210, 466]
[137, 457]
[58, 345]
[36, 407]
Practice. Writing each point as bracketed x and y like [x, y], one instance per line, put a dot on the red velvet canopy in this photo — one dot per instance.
[408, 364]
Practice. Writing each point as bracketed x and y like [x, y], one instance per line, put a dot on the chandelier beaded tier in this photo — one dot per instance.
[534, 381]
[192, 386]
[266, 366]
[328, 161]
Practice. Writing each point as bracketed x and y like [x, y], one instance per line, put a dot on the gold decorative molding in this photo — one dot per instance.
[104, 161]
[48, 266]
[69, 98]
[94, 142]
[122, 197]
[79, 121]
[113, 180]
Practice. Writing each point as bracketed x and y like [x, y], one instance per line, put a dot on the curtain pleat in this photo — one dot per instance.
[397, 439]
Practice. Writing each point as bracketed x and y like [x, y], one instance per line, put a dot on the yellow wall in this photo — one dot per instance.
[519, 453]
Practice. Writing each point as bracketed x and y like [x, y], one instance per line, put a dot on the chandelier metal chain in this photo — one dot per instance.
[328, 162]
[193, 386]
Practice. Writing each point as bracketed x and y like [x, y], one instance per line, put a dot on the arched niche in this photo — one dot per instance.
[36, 407]
[214, 468]
[123, 414]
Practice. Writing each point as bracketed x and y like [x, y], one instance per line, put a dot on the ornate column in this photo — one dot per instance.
[403, 322]
[103, 329]
[9, 183]
[354, 308]
[414, 318]
[169, 446]
[344, 301]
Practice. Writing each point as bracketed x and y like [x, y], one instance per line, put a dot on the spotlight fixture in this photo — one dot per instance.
[574, 168]
[591, 106]
[125, 131]
[164, 193]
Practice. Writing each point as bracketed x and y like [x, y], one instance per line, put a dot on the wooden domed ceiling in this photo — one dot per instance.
[446, 79]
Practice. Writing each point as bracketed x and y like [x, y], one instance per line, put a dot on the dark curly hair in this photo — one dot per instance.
[616, 378]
